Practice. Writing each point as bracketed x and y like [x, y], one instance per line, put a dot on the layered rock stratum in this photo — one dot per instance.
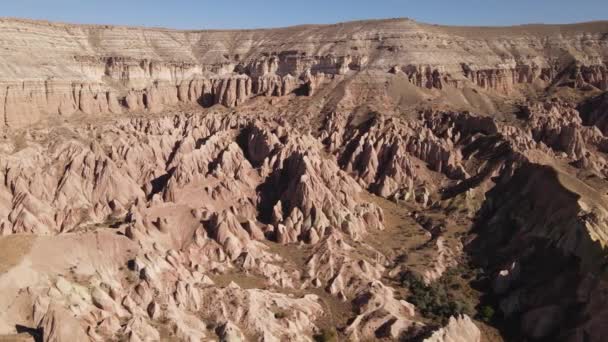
[372, 180]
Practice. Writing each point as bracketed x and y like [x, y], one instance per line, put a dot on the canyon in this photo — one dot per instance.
[368, 180]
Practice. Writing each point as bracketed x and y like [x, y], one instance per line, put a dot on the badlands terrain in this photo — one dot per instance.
[374, 180]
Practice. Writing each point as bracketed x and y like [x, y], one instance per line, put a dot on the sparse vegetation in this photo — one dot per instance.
[327, 335]
[439, 300]
[486, 313]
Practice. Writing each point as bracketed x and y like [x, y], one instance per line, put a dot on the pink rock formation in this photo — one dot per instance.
[458, 329]
[282, 187]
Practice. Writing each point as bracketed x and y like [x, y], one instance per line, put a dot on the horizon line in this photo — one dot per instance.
[354, 21]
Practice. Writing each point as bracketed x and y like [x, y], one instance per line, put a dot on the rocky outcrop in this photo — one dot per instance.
[594, 112]
[503, 78]
[385, 153]
[507, 76]
[565, 234]
[458, 329]
[379, 315]
[58, 325]
[333, 266]
[561, 127]
[589, 75]
[103, 69]
[360, 168]
[169, 184]
[425, 76]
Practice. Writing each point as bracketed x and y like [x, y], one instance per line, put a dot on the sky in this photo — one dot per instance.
[224, 14]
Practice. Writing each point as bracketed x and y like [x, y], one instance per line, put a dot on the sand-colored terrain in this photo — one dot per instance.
[371, 180]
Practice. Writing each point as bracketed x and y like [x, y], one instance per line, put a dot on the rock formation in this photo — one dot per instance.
[103, 69]
[373, 180]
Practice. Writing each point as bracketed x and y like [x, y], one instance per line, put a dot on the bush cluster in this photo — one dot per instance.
[436, 301]
[327, 335]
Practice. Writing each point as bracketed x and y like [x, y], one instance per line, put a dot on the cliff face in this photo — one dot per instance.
[350, 182]
[52, 69]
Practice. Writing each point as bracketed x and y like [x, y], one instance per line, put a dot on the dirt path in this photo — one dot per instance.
[16, 338]
[12, 250]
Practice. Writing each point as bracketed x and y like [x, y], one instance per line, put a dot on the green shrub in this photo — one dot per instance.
[435, 301]
[486, 313]
[327, 335]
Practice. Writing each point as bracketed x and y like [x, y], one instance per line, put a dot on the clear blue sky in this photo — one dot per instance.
[205, 14]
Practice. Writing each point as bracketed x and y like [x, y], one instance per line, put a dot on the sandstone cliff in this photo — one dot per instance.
[51, 69]
[376, 180]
